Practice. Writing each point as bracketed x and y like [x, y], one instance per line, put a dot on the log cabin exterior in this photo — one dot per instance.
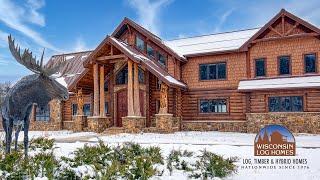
[234, 81]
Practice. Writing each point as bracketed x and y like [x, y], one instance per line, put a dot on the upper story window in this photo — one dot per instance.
[43, 113]
[310, 63]
[139, 43]
[284, 65]
[213, 71]
[150, 51]
[260, 67]
[286, 104]
[213, 106]
[162, 59]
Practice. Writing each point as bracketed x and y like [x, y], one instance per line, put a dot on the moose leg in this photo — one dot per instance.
[26, 138]
[9, 135]
[16, 137]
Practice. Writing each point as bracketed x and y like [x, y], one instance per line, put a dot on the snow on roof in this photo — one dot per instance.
[280, 83]
[148, 62]
[62, 81]
[211, 43]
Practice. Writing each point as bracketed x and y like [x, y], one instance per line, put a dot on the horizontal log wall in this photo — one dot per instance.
[236, 105]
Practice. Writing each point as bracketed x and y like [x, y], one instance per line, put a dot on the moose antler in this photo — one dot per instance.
[35, 66]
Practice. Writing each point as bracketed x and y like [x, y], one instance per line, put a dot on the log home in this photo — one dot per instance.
[234, 81]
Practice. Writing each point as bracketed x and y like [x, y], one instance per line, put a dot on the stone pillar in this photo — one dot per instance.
[102, 100]
[163, 99]
[136, 93]
[130, 89]
[95, 90]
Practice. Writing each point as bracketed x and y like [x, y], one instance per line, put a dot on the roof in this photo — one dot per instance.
[76, 59]
[152, 66]
[279, 83]
[154, 38]
[211, 43]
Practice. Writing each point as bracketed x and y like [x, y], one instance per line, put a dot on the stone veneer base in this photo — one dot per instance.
[165, 123]
[133, 124]
[98, 124]
[224, 126]
[80, 122]
[296, 122]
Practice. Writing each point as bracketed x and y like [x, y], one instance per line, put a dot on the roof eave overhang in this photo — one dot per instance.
[212, 53]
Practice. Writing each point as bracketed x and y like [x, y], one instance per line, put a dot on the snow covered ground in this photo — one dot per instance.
[222, 143]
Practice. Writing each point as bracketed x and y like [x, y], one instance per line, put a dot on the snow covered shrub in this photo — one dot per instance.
[178, 160]
[98, 156]
[211, 165]
[43, 164]
[141, 168]
[155, 153]
[42, 143]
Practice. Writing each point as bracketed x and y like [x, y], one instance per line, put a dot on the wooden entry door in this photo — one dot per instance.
[122, 106]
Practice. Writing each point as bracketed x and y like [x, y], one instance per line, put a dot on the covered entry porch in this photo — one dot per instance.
[127, 90]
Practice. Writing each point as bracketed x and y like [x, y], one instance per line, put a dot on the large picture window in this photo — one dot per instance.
[212, 71]
[286, 104]
[213, 106]
[260, 67]
[310, 63]
[284, 65]
[43, 113]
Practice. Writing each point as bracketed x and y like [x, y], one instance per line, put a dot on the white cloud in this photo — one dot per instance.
[14, 17]
[222, 19]
[3, 39]
[80, 45]
[148, 13]
[34, 16]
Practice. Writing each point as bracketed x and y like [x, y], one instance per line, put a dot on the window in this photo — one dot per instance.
[122, 76]
[213, 106]
[284, 65]
[162, 59]
[141, 76]
[310, 63]
[139, 43]
[74, 109]
[157, 106]
[213, 71]
[86, 110]
[286, 104]
[150, 51]
[158, 85]
[106, 107]
[106, 86]
[260, 67]
[43, 113]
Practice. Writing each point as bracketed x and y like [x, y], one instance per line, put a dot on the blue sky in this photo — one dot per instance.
[63, 26]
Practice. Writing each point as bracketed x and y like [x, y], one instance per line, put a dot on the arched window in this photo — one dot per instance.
[122, 76]
[43, 113]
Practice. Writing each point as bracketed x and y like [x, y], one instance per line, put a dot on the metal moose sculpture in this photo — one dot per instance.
[39, 88]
